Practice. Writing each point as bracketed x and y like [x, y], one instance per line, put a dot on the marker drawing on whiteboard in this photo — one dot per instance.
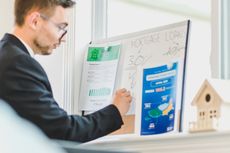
[174, 50]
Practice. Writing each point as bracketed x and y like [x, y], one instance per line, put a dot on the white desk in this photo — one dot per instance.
[210, 142]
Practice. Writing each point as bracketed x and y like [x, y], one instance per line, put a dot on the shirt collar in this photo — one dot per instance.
[27, 47]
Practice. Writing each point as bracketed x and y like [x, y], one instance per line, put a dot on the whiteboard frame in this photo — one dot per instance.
[120, 38]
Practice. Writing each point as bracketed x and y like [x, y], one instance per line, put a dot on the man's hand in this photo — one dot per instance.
[122, 100]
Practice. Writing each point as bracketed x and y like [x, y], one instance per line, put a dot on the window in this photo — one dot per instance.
[207, 98]
[224, 38]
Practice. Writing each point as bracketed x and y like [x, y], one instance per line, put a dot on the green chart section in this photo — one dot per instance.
[97, 54]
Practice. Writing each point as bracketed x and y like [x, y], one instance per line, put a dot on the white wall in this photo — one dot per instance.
[53, 65]
[83, 22]
[6, 16]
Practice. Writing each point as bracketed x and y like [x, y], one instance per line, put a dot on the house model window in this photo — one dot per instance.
[208, 98]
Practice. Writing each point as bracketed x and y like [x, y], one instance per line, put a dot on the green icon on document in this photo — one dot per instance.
[107, 53]
[94, 54]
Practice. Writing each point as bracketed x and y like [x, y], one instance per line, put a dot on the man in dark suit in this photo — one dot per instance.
[40, 26]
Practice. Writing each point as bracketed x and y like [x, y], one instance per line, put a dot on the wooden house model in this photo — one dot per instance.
[213, 106]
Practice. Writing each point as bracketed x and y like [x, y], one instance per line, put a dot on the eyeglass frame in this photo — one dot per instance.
[56, 25]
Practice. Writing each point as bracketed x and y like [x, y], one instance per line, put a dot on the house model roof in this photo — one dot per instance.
[221, 87]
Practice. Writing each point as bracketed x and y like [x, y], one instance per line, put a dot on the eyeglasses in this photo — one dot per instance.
[61, 27]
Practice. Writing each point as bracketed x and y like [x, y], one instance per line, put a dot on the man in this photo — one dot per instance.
[40, 26]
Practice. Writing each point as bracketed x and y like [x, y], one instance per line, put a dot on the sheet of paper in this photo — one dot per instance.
[98, 78]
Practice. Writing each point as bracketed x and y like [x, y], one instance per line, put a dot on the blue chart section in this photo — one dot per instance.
[158, 99]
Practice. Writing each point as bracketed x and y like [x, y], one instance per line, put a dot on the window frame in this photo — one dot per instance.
[224, 39]
[99, 19]
[219, 65]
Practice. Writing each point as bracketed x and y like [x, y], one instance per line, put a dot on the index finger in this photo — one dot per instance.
[121, 90]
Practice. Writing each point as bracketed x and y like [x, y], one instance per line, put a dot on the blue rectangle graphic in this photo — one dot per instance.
[159, 99]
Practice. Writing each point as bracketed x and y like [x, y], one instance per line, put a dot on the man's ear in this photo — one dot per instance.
[33, 20]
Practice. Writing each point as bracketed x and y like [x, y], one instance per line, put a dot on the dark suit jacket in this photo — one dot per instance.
[25, 86]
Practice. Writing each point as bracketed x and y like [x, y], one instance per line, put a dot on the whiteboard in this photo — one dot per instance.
[156, 46]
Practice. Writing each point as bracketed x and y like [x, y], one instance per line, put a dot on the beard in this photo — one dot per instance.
[42, 49]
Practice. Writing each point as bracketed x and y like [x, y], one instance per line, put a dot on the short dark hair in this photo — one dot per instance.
[22, 7]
